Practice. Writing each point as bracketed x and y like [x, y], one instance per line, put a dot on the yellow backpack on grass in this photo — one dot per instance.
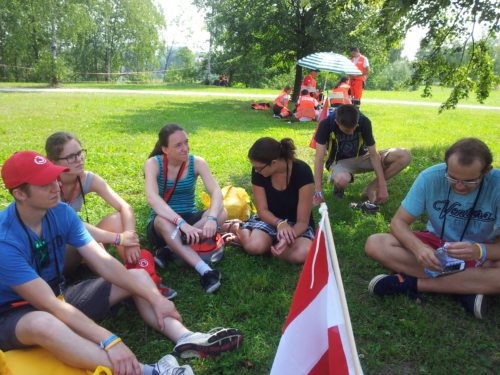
[38, 361]
[237, 202]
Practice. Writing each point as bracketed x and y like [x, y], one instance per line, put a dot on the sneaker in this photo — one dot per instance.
[168, 365]
[475, 304]
[277, 116]
[212, 343]
[162, 257]
[211, 281]
[399, 283]
[367, 207]
[339, 193]
[167, 292]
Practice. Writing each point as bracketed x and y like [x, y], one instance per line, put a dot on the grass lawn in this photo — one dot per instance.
[394, 335]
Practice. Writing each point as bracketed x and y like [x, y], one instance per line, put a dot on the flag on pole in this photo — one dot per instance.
[322, 116]
[317, 337]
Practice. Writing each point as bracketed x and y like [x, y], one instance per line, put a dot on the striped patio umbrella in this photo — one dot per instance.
[329, 62]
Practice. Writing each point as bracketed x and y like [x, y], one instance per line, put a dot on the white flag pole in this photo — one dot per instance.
[323, 210]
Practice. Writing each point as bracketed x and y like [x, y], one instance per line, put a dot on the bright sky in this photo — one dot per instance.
[186, 27]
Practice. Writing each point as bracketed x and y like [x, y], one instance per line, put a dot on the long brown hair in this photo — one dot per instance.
[54, 145]
[163, 137]
[267, 149]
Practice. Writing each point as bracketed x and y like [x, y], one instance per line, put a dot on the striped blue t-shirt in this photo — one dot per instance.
[183, 198]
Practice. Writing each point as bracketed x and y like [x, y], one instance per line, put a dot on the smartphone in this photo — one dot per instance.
[452, 268]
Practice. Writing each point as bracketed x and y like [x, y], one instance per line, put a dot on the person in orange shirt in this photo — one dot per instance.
[280, 105]
[306, 107]
[309, 83]
[341, 94]
[358, 82]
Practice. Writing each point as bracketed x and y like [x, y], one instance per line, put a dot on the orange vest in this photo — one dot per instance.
[360, 65]
[282, 99]
[306, 107]
[344, 90]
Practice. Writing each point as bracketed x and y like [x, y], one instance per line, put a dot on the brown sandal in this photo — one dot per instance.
[227, 227]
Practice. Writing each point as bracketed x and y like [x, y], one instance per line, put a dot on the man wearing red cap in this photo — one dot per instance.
[37, 308]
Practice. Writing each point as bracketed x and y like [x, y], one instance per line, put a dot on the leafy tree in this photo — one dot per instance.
[253, 37]
[449, 24]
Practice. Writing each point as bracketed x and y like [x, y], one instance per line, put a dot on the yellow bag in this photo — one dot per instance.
[38, 361]
[236, 201]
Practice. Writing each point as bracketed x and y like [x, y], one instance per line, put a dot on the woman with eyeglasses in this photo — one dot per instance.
[283, 189]
[118, 228]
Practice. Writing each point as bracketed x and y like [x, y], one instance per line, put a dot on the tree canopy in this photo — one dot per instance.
[53, 39]
[259, 37]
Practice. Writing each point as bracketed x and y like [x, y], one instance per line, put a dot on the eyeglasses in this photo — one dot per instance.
[470, 183]
[41, 247]
[260, 169]
[73, 158]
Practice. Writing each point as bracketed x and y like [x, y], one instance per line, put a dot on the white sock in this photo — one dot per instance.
[201, 267]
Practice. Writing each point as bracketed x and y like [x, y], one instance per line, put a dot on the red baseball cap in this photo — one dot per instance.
[29, 167]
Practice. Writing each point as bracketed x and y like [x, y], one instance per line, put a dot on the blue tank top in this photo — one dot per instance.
[183, 198]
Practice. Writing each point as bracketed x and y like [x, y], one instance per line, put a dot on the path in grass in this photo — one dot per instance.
[222, 94]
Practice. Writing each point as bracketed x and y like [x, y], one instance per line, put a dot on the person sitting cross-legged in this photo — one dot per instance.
[38, 309]
[461, 199]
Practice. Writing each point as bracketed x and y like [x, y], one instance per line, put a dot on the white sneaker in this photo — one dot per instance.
[214, 342]
[168, 365]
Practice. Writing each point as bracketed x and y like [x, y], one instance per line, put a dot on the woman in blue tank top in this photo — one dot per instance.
[171, 173]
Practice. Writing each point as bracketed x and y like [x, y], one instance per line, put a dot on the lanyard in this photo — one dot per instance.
[167, 193]
[73, 196]
[469, 216]
[36, 259]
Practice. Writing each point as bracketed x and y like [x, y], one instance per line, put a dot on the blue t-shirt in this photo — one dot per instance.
[19, 265]
[429, 195]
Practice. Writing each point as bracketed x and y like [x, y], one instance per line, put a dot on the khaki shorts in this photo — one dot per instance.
[354, 166]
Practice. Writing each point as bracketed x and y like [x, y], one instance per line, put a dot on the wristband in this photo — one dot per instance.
[106, 342]
[482, 252]
[277, 221]
[117, 239]
[112, 343]
[318, 194]
[212, 218]
[178, 227]
[285, 221]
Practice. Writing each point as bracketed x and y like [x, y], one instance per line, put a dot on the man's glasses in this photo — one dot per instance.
[73, 158]
[470, 183]
[260, 169]
[41, 247]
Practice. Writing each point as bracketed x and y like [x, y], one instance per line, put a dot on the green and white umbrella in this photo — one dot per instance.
[330, 62]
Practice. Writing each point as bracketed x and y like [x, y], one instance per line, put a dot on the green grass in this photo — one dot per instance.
[394, 336]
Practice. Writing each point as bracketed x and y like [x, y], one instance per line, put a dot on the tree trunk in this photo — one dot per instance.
[298, 83]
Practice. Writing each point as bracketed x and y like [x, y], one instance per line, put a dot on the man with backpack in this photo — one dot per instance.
[346, 138]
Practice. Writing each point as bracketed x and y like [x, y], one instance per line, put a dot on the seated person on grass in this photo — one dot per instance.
[171, 173]
[283, 189]
[461, 199]
[347, 136]
[37, 308]
[116, 229]
[307, 107]
[280, 105]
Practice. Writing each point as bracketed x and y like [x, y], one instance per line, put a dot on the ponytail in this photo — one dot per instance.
[267, 149]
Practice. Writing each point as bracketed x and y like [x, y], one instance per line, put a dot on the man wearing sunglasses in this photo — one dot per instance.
[461, 199]
[346, 137]
[36, 307]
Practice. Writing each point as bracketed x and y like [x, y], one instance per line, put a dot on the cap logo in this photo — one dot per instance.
[39, 160]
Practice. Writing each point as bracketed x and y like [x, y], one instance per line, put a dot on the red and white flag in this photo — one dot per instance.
[317, 337]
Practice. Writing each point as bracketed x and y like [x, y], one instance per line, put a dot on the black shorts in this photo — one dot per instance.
[156, 240]
[89, 296]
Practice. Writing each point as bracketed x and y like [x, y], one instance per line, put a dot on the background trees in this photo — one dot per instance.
[48, 40]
